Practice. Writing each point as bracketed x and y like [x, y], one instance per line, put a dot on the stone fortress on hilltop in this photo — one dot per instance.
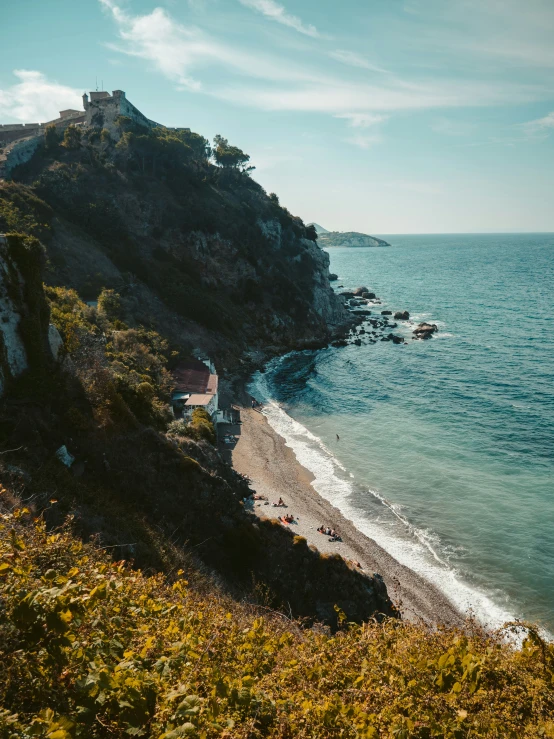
[19, 141]
[101, 110]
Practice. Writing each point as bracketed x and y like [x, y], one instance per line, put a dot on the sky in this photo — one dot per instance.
[380, 116]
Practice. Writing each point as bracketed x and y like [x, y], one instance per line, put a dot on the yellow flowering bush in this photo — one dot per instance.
[91, 648]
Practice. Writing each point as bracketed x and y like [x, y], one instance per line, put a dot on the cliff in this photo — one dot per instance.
[174, 256]
[349, 238]
[198, 251]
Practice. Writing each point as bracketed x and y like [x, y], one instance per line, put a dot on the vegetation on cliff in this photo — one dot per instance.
[152, 217]
[152, 488]
[93, 649]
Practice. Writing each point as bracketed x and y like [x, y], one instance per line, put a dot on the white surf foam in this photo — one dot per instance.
[419, 549]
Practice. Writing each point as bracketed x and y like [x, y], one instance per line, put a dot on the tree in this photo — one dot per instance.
[109, 304]
[230, 157]
[311, 233]
[72, 137]
[51, 138]
[199, 146]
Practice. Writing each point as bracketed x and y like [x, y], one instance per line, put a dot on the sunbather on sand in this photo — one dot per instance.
[288, 518]
[328, 531]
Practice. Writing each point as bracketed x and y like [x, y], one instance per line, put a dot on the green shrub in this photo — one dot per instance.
[201, 426]
[72, 137]
[109, 304]
[92, 649]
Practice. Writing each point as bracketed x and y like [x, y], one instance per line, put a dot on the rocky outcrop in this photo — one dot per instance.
[55, 341]
[23, 310]
[13, 356]
[17, 153]
[425, 330]
[394, 338]
[401, 315]
[349, 238]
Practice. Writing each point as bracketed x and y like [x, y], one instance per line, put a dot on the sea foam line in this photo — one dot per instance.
[415, 551]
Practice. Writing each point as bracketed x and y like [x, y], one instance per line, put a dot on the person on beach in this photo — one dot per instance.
[287, 518]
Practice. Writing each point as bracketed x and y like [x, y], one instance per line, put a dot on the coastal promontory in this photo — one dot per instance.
[346, 238]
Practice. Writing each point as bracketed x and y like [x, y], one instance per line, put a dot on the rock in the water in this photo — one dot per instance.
[386, 313]
[425, 330]
[368, 296]
[347, 294]
[401, 315]
[333, 277]
[360, 291]
[339, 343]
[392, 337]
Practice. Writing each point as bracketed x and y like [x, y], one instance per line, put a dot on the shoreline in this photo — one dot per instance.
[261, 454]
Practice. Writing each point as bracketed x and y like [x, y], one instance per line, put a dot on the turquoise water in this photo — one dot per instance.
[446, 450]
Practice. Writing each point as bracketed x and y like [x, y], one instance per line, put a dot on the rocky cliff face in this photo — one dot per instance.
[25, 341]
[349, 238]
[13, 357]
[17, 153]
[200, 252]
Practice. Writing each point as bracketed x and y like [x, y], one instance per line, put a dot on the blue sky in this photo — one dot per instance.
[382, 116]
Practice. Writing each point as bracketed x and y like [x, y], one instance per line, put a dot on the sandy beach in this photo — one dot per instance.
[261, 454]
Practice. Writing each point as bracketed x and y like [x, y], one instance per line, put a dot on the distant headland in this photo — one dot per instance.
[345, 238]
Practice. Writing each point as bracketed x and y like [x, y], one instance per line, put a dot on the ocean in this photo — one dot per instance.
[446, 448]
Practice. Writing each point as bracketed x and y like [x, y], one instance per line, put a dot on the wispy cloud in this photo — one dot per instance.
[156, 37]
[355, 60]
[35, 98]
[300, 82]
[176, 50]
[365, 140]
[540, 125]
[340, 96]
[279, 14]
[362, 120]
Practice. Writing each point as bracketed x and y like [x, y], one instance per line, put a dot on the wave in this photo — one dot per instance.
[416, 548]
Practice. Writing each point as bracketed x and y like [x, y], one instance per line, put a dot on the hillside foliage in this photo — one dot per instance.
[165, 211]
[91, 648]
